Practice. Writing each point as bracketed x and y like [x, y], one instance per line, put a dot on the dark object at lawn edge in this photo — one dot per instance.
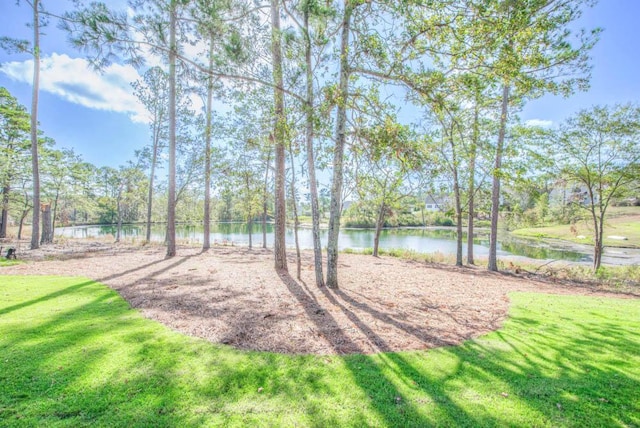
[11, 253]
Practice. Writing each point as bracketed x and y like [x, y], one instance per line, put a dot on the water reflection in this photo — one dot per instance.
[416, 239]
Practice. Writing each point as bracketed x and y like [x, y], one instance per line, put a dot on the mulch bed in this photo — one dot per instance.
[233, 295]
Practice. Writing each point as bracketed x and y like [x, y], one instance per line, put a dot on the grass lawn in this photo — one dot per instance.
[618, 225]
[72, 353]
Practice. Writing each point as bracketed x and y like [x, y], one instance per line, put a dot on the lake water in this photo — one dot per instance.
[421, 240]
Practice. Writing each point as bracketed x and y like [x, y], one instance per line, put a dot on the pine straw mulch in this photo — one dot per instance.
[233, 295]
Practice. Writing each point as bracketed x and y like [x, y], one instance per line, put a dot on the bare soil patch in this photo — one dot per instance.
[233, 295]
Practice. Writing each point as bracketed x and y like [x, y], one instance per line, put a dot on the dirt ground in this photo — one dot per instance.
[233, 295]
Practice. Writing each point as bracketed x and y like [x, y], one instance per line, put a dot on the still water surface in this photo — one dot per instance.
[417, 239]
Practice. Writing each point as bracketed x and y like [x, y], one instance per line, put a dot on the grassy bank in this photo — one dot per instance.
[75, 354]
[621, 221]
[8, 262]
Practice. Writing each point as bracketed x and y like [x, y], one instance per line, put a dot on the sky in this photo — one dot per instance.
[98, 116]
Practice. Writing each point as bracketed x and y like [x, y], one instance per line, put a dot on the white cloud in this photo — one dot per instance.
[539, 122]
[74, 80]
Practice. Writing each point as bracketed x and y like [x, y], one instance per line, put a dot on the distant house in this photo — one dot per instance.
[565, 193]
[434, 204]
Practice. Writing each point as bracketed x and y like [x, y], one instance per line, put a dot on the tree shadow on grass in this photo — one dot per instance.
[558, 368]
[90, 360]
[53, 295]
[569, 371]
[369, 372]
[92, 363]
[50, 361]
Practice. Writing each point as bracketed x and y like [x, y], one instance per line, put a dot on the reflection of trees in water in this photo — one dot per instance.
[427, 233]
[354, 238]
[522, 248]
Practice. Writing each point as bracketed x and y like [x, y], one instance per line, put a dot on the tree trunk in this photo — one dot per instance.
[597, 255]
[458, 202]
[338, 153]
[456, 191]
[55, 213]
[206, 244]
[154, 159]
[495, 190]
[171, 200]
[472, 185]
[311, 166]
[5, 211]
[265, 200]
[47, 233]
[279, 243]
[379, 224]
[119, 212]
[296, 220]
[598, 248]
[35, 223]
[250, 230]
[24, 215]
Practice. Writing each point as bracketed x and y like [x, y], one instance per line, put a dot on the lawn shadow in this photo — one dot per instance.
[53, 361]
[368, 371]
[55, 294]
[93, 361]
[570, 372]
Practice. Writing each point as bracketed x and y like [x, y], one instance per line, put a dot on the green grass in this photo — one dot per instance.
[72, 353]
[9, 262]
[621, 221]
[413, 255]
[622, 279]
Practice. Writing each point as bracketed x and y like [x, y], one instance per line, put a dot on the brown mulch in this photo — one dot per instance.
[233, 295]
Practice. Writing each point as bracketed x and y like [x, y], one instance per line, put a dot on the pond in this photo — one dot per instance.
[422, 240]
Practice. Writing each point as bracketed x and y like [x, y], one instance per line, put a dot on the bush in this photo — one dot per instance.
[437, 219]
[444, 222]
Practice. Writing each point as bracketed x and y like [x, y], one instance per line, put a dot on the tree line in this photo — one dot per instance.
[306, 89]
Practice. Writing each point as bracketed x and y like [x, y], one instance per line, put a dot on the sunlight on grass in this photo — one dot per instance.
[9, 262]
[74, 354]
[582, 232]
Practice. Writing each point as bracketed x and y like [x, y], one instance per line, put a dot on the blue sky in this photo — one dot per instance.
[97, 115]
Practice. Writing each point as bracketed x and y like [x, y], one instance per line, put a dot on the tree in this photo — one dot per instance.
[26, 205]
[14, 149]
[520, 49]
[37, 22]
[60, 170]
[450, 149]
[35, 170]
[338, 151]
[206, 221]
[212, 27]
[249, 185]
[598, 148]
[278, 138]
[108, 35]
[107, 183]
[475, 89]
[171, 197]
[129, 179]
[311, 10]
[389, 157]
[152, 92]
[525, 46]
[378, 52]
